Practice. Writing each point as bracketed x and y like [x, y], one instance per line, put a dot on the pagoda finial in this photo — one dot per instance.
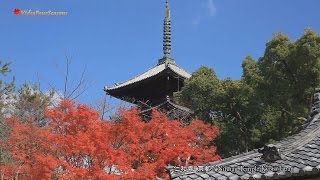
[167, 10]
[166, 37]
[167, 32]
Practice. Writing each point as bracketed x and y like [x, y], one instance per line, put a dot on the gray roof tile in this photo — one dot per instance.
[193, 176]
[228, 174]
[198, 178]
[245, 176]
[257, 176]
[222, 178]
[216, 175]
[204, 176]
[234, 177]
[270, 174]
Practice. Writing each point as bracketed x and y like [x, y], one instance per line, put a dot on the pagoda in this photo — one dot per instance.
[154, 88]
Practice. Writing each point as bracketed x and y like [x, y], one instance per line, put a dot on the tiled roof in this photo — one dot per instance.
[182, 108]
[150, 73]
[299, 156]
[172, 110]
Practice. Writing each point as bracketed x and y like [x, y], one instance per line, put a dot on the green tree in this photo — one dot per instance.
[268, 103]
[290, 72]
[222, 102]
[200, 92]
[30, 104]
[6, 90]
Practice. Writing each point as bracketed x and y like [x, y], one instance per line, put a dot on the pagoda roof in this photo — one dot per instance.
[295, 157]
[161, 67]
[172, 110]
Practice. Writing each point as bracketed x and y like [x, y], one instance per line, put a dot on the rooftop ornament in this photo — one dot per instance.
[315, 103]
[270, 153]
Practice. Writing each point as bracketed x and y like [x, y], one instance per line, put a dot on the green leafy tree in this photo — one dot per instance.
[290, 72]
[30, 104]
[268, 103]
[200, 92]
[6, 90]
[222, 102]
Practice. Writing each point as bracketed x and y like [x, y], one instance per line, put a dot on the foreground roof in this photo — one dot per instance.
[151, 73]
[291, 158]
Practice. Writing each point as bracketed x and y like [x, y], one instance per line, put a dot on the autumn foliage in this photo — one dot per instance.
[77, 144]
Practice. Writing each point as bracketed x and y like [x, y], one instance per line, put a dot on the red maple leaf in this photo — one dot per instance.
[16, 11]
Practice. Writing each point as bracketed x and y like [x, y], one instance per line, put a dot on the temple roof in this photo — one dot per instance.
[297, 155]
[172, 110]
[151, 73]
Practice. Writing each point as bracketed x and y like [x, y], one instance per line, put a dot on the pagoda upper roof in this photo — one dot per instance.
[161, 67]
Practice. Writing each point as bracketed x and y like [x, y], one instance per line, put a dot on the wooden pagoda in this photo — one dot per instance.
[155, 87]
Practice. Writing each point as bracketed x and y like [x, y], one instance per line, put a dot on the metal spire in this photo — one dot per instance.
[167, 32]
[166, 37]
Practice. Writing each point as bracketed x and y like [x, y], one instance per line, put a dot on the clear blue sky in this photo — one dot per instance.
[118, 39]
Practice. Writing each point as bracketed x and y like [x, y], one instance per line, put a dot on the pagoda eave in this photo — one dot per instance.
[151, 90]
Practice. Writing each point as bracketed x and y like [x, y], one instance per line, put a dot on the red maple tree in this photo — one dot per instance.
[77, 144]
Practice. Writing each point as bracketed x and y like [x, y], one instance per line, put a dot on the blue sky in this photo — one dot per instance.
[118, 39]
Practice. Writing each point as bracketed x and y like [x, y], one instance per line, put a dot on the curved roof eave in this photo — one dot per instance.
[150, 73]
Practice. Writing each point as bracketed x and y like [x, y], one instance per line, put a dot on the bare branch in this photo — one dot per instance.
[80, 84]
[103, 107]
[68, 61]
